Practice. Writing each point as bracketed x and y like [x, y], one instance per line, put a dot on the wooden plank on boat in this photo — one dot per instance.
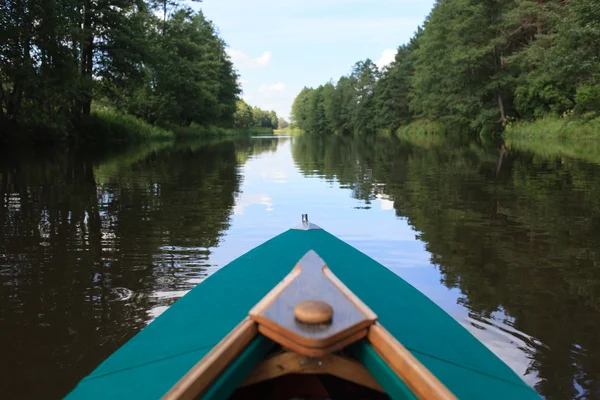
[199, 378]
[358, 303]
[414, 374]
[312, 280]
[293, 363]
[309, 351]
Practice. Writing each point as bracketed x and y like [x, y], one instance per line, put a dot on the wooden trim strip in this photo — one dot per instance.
[199, 378]
[414, 374]
[288, 343]
[266, 301]
[294, 363]
[235, 373]
[312, 272]
[354, 299]
[353, 371]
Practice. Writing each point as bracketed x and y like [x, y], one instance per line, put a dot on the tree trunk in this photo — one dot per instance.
[2, 101]
[164, 25]
[501, 106]
[15, 98]
[497, 69]
[539, 18]
[87, 96]
[83, 101]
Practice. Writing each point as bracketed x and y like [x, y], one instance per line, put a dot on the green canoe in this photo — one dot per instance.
[151, 363]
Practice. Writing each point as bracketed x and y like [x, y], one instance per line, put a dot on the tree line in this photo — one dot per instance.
[56, 57]
[478, 64]
[246, 117]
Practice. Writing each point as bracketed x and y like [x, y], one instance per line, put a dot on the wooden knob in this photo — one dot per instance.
[313, 312]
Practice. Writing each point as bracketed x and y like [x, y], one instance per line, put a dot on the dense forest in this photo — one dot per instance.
[247, 116]
[475, 64]
[166, 65]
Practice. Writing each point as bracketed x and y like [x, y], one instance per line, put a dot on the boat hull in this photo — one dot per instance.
[149, 364]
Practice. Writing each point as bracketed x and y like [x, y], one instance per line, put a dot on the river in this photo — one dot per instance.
[94, 247]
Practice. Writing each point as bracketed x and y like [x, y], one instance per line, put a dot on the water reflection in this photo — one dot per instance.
[518, 238]
[93, 247]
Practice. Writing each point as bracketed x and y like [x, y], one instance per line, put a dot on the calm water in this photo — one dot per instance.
[93, 248]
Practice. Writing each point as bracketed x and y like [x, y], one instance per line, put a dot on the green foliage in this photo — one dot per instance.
[422, 128]
[300, 109]
[282, 123]
[187, 74]
[392, 91]
[264, 119]
[243, 116]
[247, 117]
[346, 107]
[59, 56]
[106, 125]
[587, 99]
[475, 63]
[457, 69]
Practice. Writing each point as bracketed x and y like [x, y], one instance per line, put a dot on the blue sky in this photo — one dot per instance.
[278, 47]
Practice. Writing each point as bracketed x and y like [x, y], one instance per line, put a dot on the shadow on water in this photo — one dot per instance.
[518, 234]
[93, 246]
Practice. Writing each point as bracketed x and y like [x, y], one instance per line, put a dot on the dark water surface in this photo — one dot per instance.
[93, 248]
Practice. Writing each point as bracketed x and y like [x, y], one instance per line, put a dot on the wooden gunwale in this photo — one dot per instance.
[416, 376]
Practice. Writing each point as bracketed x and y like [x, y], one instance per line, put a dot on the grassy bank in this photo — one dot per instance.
[288, 131]
[109, 126]
[555, 128]
[106, 126]
[422, 127]
[115, 126]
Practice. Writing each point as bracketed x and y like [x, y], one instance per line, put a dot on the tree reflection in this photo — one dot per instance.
[520, 236]
[90, 245]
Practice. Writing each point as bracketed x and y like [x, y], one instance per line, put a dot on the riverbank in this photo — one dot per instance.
[555, 128]
[548, 138]
[288, 132]
[115, 126]
[107, 127]
[421, 128]
[557, 137]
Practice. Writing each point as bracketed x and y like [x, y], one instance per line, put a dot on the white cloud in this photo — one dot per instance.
[278, 87]
[372, 30]
[241, 60]
[243, 81]
[249, 199]
[387, 56]
[274, 96]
